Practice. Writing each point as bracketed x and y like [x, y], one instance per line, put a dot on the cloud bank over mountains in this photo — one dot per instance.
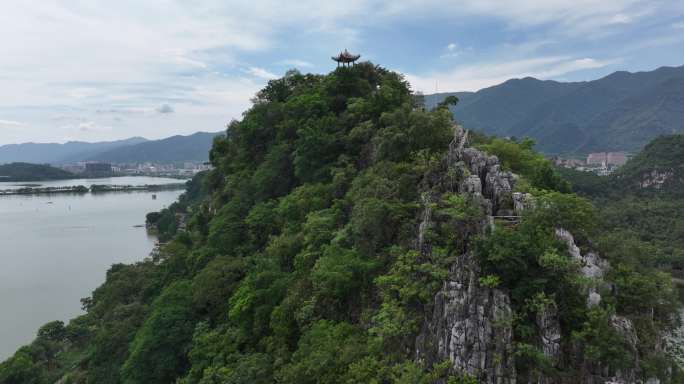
[118, 69]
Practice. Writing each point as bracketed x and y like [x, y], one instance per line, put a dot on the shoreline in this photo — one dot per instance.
[93, 189]
[7, 179]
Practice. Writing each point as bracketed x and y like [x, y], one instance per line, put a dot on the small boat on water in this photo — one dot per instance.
[154, 196]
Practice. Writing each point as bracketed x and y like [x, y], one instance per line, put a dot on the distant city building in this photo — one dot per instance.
[184, 169]
[607, 158]
[600, 163]
[616, 158]
[566, 163]
[74, 168]
[98, 168]
[596, 158]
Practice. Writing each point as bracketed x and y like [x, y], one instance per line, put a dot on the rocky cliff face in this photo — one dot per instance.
[471, 323]
[655, 178]
[674, 342]
[470, 326]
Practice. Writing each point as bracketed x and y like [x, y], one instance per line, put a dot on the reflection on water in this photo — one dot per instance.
[56, 249]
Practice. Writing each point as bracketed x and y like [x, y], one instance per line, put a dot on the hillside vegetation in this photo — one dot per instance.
[642, 204]
[319, 246]
[32, 172]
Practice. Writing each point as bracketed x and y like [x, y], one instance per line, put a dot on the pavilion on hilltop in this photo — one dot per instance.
[345, 58]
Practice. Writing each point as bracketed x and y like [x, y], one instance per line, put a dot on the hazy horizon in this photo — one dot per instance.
[110, 140]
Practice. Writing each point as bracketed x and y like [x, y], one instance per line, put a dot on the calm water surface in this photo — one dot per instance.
[56, 249]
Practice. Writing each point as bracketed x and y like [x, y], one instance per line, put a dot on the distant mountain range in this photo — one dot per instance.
[622, 111]
[59, 153]
[194, 147]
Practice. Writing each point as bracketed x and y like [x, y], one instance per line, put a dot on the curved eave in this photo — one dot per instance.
[346, 59]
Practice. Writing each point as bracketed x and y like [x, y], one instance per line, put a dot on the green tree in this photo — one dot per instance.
[450, 100]
[324, 354]
[158, 354]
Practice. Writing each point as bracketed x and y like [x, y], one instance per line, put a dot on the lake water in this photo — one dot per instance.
[55, 249]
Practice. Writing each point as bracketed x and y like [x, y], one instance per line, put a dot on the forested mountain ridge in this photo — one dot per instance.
[622, 111]
[177, 148]
[347, 235]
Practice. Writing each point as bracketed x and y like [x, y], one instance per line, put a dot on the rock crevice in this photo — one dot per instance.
[471, 323]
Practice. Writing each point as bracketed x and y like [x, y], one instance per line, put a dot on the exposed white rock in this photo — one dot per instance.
[475, 160]
[471, 326]
[550, 333]
[472, 185]
[674, 342]
[625, 328]
[593, 299]
[655, 178]
[498, 186]
[591, 265]
[425, 224]
[522, 201]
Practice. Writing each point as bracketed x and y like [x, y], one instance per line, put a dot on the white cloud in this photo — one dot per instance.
[620, 18]
[655, 42]
[77, 130]
[11, 123]
[114, 63]
[165, 109]
[261, 73]
[296, 63]
[570, 15]
[87, 126]
[485, 74]
[452, 50]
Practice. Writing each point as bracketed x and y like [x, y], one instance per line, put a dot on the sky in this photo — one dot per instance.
[93, 70]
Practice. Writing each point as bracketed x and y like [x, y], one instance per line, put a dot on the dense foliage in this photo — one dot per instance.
[642, 231]
[166, 223]
[294, 261]
[645, 221]
[520, 157]
[32, 172]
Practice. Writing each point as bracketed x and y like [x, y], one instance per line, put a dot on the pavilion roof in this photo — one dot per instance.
[345, 57]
